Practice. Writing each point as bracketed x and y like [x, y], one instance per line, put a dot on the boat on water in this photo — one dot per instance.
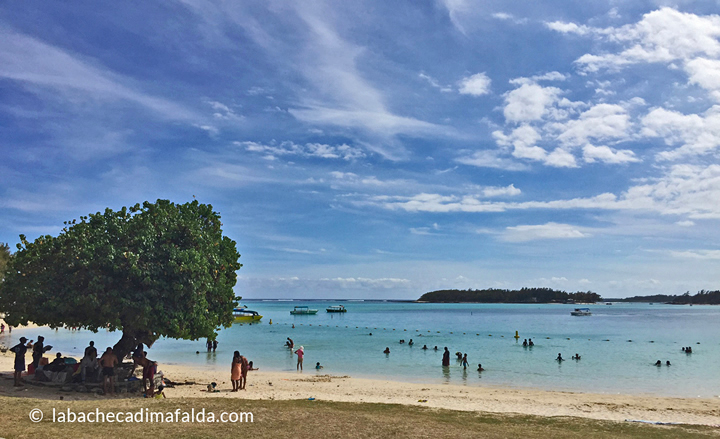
[303, 311]
[336, 308]
[581, 312]
[244, 315]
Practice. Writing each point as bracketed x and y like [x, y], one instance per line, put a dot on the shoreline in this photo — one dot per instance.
[268, 385]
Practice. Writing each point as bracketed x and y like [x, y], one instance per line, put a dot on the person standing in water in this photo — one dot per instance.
[446, 357]
[464, 361]
[300, 353]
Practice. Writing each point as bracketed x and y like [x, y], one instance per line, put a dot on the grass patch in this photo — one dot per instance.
[318, 419]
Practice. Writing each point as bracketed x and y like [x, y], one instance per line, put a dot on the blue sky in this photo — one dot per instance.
[374, 149]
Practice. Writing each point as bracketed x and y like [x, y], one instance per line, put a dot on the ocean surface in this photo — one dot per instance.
[619, 344]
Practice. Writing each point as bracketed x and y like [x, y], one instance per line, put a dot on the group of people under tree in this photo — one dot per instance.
[89, 364]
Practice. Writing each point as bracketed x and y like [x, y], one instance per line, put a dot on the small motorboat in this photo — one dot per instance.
[303, 311]
[336, 308]
[581, 312]
[244, 315]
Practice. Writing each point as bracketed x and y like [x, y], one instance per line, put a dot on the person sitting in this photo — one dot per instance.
[57, 365]
[425, 347]
[159, 394]
[658, 363]
[667, 363]
[386, 351]
[250, 366]
[559, 357]
[317, 366]
[480, 368]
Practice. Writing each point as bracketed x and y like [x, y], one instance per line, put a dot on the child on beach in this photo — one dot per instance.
[317, 366]
[235, 371]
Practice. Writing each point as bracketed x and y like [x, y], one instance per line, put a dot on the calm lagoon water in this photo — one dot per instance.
[611, 363]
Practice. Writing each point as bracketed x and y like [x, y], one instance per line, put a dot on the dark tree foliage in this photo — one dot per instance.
[701, 298]
[5, 256]
[524, 295]
[161, 269]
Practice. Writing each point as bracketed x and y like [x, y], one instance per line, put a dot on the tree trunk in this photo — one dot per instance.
[130, 340]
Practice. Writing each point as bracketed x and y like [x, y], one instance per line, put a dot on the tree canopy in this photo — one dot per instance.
[151, 270]
[5, 256]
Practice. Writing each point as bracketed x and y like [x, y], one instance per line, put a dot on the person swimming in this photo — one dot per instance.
[658, 363]
[386, 351]
[435, 348]
[576, 356]
[530, 342]
[480, 368]
[410, 343]
[559, 357]
[525, 343]
[425, 347]
[317, 366]
[667, 363]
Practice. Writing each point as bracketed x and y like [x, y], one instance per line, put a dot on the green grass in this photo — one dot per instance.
[319, 419]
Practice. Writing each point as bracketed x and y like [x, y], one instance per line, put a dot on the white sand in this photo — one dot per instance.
[289, 385]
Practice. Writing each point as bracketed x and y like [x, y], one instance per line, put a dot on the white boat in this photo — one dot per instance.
[303, 310]
[336, 308]
[581, 312]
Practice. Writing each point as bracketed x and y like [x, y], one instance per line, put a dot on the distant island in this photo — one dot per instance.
[701, 298]
[548, 295]
[524, 295]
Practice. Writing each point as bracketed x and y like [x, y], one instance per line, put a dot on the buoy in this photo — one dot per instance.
[517, 335]
[271, 321]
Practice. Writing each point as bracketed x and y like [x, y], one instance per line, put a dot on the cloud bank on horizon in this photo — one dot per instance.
[381, 149]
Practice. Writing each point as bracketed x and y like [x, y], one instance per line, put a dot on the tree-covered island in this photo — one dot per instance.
[523, 295]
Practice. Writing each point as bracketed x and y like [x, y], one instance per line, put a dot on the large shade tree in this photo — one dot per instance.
[151, 270]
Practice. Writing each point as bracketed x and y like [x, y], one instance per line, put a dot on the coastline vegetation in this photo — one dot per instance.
[523, 295]
[701, 298]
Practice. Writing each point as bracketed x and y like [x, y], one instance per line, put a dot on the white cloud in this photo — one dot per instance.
[434, 82]
[608, 155]
[568, 28]
[529, 102]
[496, 191]
[705, 73]
[475, 85]
[544, 231]
[696, 134]
[686, 223]
[697, 254]
[318, 150]
[490, 159]
[600, 122]
[691, 191]
[32, 62]
[664, 35]
[561, 158]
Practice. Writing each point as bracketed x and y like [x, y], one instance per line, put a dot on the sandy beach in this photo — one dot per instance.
[264, 385]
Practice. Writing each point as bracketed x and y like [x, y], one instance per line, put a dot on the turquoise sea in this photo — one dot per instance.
[618, 344]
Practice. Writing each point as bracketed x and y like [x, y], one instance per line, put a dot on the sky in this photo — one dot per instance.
[374, 149]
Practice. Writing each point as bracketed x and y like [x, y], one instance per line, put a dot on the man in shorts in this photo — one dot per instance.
[20, 349]
[108, 361]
